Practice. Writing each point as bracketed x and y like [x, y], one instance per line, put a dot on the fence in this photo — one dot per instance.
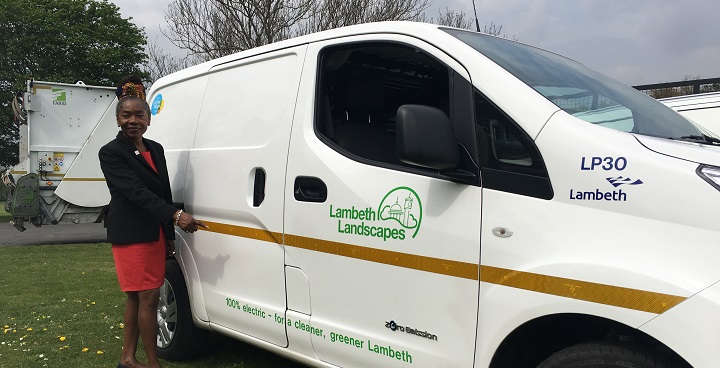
[682, 88]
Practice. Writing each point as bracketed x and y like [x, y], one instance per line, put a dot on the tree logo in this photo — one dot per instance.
[402, 205]
[399, 213]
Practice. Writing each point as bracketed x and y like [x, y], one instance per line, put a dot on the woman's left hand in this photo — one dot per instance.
[170, 248]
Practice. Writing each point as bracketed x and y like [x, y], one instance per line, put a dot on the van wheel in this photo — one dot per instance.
[178, 338]
[606, 355]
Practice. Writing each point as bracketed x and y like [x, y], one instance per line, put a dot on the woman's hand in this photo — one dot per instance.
[188, 223]
[169, 247]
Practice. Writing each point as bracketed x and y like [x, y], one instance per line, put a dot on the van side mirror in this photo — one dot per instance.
[424, 137]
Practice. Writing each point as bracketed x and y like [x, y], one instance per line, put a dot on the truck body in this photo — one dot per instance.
[409, 195]
[58, 178]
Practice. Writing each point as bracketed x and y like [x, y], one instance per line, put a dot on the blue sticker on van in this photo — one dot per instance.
[157, 104]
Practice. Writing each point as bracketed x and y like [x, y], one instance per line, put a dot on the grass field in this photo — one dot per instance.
[61, 307]
[4, 216]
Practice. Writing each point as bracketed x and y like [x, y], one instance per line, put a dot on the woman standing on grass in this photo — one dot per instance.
[140, 219]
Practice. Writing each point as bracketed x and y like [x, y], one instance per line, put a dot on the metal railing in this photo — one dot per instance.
[681, 88]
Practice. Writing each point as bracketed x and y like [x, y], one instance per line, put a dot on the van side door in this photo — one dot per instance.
[235, 183]
[390, 250]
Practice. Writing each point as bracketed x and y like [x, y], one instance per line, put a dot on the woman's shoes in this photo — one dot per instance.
[120, 365]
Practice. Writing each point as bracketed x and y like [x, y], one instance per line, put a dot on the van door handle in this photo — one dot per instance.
[259, 187]
[310, 189]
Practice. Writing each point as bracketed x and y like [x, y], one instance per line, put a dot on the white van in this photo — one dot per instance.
[703, 109]
[409, 195]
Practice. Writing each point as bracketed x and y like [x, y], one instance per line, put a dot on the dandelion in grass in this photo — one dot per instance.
[85, 350]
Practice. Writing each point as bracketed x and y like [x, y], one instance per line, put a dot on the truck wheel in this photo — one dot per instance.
[178, 338]
[606, 355]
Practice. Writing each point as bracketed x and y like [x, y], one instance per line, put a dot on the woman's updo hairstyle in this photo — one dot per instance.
[130, 88]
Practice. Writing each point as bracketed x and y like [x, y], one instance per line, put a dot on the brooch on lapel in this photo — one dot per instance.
[137, 152]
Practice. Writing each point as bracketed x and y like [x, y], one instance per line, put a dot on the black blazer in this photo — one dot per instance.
[140, 198]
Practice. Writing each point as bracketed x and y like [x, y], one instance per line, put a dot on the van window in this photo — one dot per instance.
[580, 91]
[361, 87]
[509, 159]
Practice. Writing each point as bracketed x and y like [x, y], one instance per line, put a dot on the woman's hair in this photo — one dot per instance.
[130, 88]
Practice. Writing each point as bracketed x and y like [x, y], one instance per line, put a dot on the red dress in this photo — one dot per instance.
[141, 266]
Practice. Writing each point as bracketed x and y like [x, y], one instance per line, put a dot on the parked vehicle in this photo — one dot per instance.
[702, 109]
[410, 195]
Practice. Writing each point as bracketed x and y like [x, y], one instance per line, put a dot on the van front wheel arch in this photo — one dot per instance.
[178, 338]
[606, 355]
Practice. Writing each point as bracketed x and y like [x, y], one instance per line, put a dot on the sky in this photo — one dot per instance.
[633, 41]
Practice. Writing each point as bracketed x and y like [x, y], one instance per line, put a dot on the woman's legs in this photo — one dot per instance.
[147, 322]
[131, 331]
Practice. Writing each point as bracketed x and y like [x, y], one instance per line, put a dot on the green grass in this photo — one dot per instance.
[60, 306]
[4, 216]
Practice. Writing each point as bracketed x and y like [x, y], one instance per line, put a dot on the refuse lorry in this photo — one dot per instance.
[58, 178]
[411, 195]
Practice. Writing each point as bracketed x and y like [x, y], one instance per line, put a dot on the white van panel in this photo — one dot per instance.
[370, 294]
[174, 117]
[243, 130]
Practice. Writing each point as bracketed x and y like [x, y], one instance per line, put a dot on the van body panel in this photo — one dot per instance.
[695, 152]
[614, 273]
[698, 313]
[175, 110]
[380, 255]
[243, 129]
[192, 278]
[394, 265]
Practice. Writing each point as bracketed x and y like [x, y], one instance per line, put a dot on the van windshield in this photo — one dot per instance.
[580, 91]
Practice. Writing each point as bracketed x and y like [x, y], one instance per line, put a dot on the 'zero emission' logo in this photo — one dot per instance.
[399, 214]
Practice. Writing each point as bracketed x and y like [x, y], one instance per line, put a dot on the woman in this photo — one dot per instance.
[140, 219]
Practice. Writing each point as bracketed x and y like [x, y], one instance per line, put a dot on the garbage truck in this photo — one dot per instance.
[410, 195]
[58, 178]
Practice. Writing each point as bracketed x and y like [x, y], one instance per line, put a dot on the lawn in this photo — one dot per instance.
[4, 216]
[61, 307]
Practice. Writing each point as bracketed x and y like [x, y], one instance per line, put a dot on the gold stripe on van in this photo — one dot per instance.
[242, 231]
[641, 300]
[413, 261]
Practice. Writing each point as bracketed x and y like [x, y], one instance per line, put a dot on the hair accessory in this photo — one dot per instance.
[130, 89]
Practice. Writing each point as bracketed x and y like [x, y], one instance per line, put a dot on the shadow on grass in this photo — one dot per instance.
[224, 350]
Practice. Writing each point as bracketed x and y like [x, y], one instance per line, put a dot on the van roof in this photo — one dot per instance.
[398, 27]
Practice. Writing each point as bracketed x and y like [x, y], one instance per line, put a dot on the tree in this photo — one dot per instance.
[61, 41]
[460, 19]
[217, 28]
[209, 29]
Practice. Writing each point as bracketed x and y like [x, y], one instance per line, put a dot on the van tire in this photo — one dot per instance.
[606, 355]
[178, 337]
